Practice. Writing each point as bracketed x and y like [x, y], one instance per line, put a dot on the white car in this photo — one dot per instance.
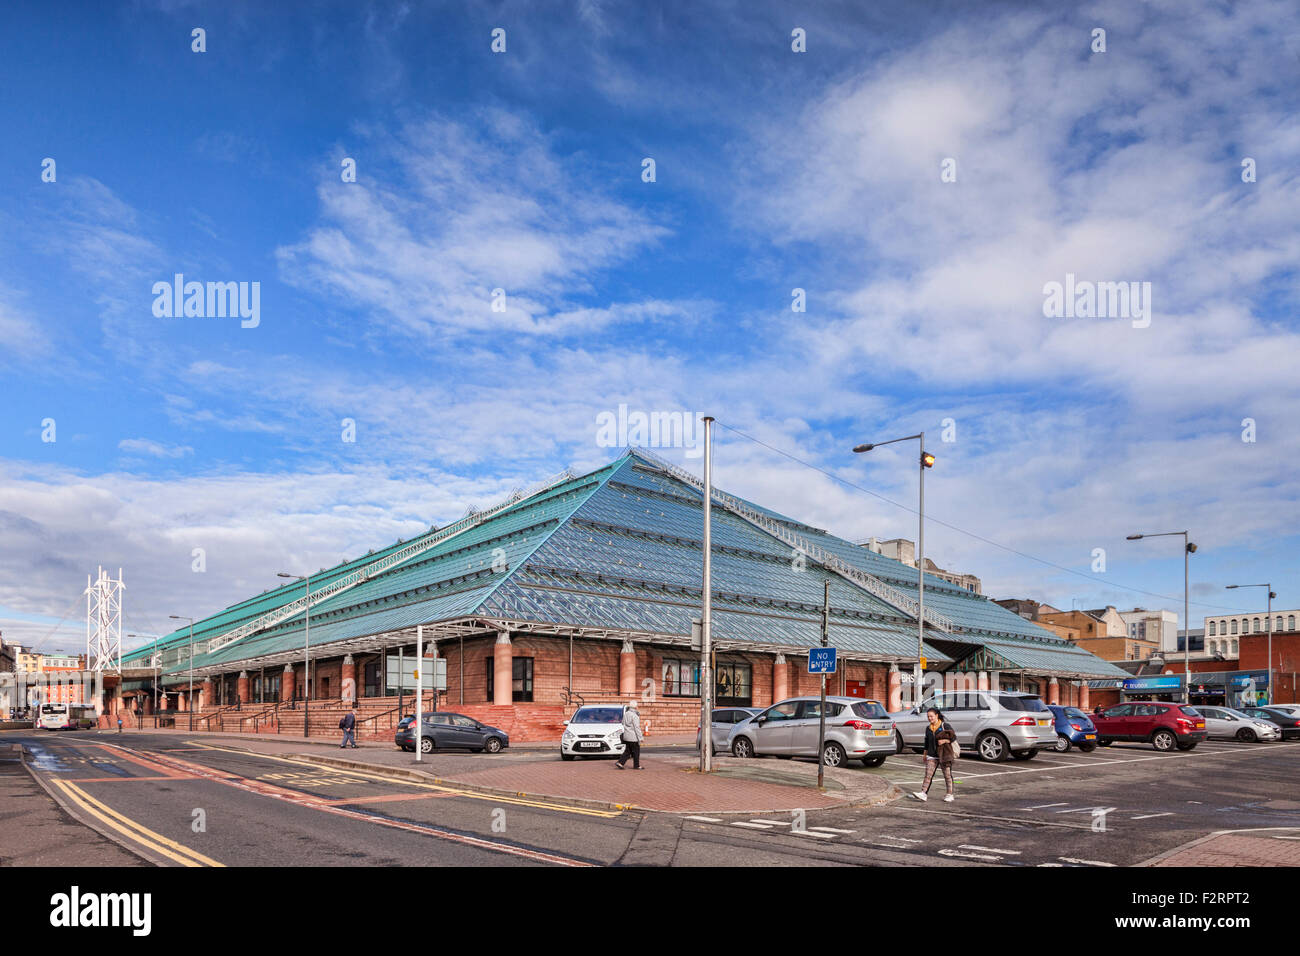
[1232, 724]
[594, 730]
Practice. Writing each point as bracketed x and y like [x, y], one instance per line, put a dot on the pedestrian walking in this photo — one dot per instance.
[631, 737]
[348, 725]
[939, 738]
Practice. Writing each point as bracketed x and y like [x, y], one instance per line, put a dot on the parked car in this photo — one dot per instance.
[446, 731]
[991, 725]
[1287, 722]
[1292, 709]
[856, 729]
[595, 730]
[724, 720]
[1073, 729]
[1231, 724]
[1163, 725]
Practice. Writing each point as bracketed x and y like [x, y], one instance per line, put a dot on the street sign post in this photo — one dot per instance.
[821, 660]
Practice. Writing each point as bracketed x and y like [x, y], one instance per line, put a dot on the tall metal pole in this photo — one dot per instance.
[306, 661]
[1270, 644]
[706, 609]
[821, 723]
[191, 708]
[419, 689]
[920, 583]
[1187, 628]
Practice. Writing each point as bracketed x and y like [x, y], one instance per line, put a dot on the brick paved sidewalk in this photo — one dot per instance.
[1279, 847]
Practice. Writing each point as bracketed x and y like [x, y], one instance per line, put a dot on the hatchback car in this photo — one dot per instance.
[856, 729]
[445, 731]
[595, 730]
[1163, 725]
[1230, 724]
[1073, 729]
[1286, 721]
[992, 725]
[723, 722]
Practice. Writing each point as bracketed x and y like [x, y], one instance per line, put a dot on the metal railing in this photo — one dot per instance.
[869, 583]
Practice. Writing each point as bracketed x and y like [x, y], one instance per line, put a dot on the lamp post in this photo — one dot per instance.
[1188, 550]
[926, 461]
[178, 617]
[306, 650]
[1269, 624]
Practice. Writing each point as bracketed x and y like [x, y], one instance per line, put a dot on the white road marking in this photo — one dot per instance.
[1070, 859]
[811, 833]
[987, 849]
[1042, 805]
[705, 819]
[890, 836]
[751, 826]
[892, 846]
[831, 830]
[775, 823]
[970, 856]
[1088, 810]
[1149, 816]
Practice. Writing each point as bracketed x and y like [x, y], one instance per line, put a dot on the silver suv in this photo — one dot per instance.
[856, 729]
[991, 724]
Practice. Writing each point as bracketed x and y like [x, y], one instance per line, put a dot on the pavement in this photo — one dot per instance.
[669, 780]
[1272, 847]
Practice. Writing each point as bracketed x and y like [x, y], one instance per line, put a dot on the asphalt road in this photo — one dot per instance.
[184, 801]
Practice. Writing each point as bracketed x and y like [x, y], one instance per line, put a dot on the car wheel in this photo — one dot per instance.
[992, 747]
[873, 761]
[1163, 741]
[1029, 754]
[1087, 748]
[426, 745]
[1247, 735]
[1062, 744]
[492, 745]
[564, 756]
[833, 754]
[1186, 747]
[1105, 743]
[742, 747]
[898, 742]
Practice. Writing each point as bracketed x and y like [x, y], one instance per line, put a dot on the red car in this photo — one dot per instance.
[1164, 726]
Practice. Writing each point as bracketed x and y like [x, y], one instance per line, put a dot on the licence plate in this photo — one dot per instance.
[1042, 723]
[589, 745]
[1089, 736]
[880, 733]
[1200, 725]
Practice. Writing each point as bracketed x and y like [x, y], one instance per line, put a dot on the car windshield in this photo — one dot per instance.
[1190, 711]
[1075, 712]
[868, 708]
[1032, 704]
[598, 715]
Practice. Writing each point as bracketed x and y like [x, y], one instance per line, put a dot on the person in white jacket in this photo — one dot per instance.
[631, 737]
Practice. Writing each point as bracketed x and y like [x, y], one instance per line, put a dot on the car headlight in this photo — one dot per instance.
[568, 735]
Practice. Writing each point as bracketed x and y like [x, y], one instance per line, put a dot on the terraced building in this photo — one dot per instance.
[585, 589]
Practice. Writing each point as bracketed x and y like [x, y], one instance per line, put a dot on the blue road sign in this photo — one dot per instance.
[821, 660]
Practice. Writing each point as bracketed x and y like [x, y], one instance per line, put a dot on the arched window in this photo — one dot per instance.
[1277, 625]
[1234, 625]
[1256, 625]
[1234, 648]
[1213, 632]
[1290, 622]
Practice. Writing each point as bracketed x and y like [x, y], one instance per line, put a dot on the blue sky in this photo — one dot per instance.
[522, 171]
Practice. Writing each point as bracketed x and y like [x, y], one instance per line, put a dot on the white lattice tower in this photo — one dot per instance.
[104, 622]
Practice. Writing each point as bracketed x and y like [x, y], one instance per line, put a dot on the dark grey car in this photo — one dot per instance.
[724, 721]
[445, 731]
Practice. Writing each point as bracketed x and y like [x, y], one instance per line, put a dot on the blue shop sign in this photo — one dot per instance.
[1259, 678]
[1145, 684]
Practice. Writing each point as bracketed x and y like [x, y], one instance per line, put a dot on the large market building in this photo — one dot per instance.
[586, 589]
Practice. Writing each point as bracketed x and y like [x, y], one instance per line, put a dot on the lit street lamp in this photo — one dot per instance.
[926, 461]
[1188, 550]
[1269, 624]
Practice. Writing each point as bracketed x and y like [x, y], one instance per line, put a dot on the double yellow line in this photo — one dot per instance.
[134, 831]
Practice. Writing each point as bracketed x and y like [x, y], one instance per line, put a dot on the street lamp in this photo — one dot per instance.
[1268, 623]
[306, 648]
[926, 461]
[1188, 550]
[178, 617]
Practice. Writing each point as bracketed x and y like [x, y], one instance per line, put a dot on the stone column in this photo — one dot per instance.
[349, 680]
[780, 679]
[626, 671]
[205, 697]
[1083, 696]
[982, 682]
[502, 671]
[1053, 691]
[287, 683]
[148, 705]
[162, 702]
[895, 689]
[241, 687]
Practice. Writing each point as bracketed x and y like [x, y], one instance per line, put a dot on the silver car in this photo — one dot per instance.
[856, 729]
[1234, 725]
[990, 724]
[724, 721]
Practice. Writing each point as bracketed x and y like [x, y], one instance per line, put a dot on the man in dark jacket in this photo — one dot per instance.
[348, 725]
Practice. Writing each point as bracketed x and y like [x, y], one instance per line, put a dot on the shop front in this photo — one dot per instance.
[1166, 687]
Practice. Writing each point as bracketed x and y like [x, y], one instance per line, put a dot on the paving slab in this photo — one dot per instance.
[1272, 847]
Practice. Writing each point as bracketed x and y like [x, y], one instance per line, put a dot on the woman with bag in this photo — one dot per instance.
[940, 752]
